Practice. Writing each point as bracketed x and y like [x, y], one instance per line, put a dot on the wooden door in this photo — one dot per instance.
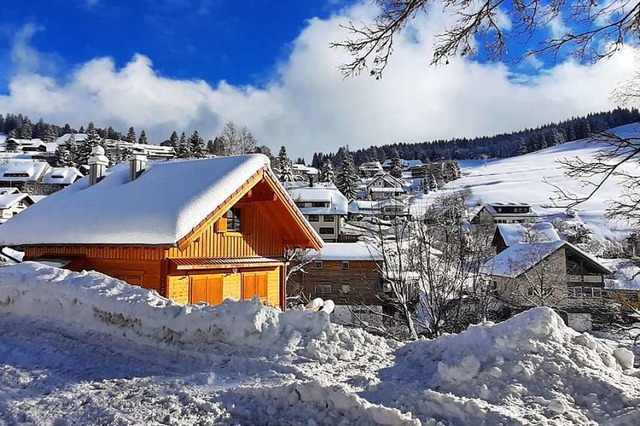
[248, 286]
[214, 289]
[198, 289]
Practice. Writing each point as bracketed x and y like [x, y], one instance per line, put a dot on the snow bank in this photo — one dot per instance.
[96, 302]
[529, 369]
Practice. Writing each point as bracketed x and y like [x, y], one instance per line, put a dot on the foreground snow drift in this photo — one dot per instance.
[529, 369]
[94, 301]
[87, 348]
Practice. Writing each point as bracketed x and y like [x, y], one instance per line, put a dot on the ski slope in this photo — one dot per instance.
[84, 348]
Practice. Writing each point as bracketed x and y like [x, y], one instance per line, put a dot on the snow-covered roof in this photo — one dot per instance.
[519, 258]
[8, 200]
[160, 207]
[513, 233]
[491, 208]
[22, 170]
[79, 137]
[347, 251]
[387, 178]
[304, 169]
[386, 190]
[61, 175]
[338, 203]
[403, 163]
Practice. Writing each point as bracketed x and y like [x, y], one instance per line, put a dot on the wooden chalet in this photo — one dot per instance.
[195, 231]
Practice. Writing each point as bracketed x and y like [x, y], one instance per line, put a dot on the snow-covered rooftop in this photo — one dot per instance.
[348, 251]
[22, 170]
[338, 203]
[8, 200]
[160, 207]
[513, 233]
[61, 175]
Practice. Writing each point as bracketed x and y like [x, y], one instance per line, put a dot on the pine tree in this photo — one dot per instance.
[283, 167]
[131, 135]
[196, 145]
[84, 152]
[183, 150]
[347, 180]
[143, 138]
[210, 146]
[432, 183]
[66, 154]
[25, 131]
[396, 165]
[49, 134]
[326, 173]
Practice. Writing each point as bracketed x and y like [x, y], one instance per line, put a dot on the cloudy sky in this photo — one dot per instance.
[164, 65]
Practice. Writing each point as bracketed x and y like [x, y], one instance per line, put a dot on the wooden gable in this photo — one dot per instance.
[270, 221]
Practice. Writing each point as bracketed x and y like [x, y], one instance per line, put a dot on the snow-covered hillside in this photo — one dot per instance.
[87, 348]
[522, 180]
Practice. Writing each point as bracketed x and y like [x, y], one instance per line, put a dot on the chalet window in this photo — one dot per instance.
[323, 289]
[345, 264]
[233, 220]
[16, 175]
[345, 289]
[326, 231]
[329, 218]
[318, 264]
[318, 204]
[299, 204]
[314, 218]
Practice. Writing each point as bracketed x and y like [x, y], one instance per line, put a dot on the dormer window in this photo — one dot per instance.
[233, 220]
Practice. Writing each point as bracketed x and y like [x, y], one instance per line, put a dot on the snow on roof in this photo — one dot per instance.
[394, 189]
[61, 175]
[403, 163]
[79, 137]
[491, 208]
[347, 251]
[513, 233]
[519, 258]
[160, 207]
[22, 170]
[338, 203]
[8, 200]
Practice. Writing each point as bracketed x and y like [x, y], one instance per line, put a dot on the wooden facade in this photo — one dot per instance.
[212, 262]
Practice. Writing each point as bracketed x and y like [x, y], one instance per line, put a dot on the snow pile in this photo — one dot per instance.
[529, 369]
[93, 301]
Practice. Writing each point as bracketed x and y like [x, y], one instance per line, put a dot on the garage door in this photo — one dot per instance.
[254, 284]
[205, 288]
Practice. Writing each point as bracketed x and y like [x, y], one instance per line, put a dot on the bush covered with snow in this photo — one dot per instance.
[94, 301]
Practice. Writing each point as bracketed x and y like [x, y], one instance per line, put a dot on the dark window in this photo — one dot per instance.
[299, 204]
[314, 218]
[326, 231]
[323, 289]
[318, 204]
[345, 264]
[233, 220]
[329, 218]
[16, 175]
[318, 264]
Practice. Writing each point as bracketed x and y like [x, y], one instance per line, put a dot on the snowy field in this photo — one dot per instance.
[83, 348]
[522, 179]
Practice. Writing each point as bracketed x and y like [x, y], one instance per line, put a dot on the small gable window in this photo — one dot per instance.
[234, 222]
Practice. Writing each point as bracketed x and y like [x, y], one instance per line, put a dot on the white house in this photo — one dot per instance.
[383, 186]
[61, 176]
[18, 172]
[382, 209]
[506, 213]
[12, 202]
[323, 206]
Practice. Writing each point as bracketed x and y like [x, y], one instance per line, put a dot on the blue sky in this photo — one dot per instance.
[238, 41]
[165, 65]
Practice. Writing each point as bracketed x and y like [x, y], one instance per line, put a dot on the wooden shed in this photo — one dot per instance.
[195, 230]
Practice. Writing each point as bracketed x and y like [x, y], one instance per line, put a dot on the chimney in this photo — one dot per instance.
[98, 163]
[137, 164]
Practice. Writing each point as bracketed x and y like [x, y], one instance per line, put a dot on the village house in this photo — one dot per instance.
[505, 213]
[370, 169]
[323, 206]
[405, 164]
[350, 274]
[384, 186]
[61, 177]
[384, 209]
[12, 202]
[17, 173]
[194, 231]
[535, 267]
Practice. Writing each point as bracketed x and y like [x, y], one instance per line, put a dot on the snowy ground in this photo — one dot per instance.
[522, 179]
[86, 348]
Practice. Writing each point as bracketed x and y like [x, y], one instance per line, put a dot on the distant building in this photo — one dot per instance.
[12, 202]
[16, 173]
[382, 209]
[505, 213]
[60, 177]
[370, 168]
[323, 206]
[384, 186]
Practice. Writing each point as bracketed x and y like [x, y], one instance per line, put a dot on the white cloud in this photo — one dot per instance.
[310, 107]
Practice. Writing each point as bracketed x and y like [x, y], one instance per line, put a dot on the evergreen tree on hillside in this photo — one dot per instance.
[112, 134]
[143, 138]
[196, 145]
[131, 135]
[218, 147]
[25, 131]
[49, 134]
[396, 165]
[174, 141]
[347, 180]
[66, 154]
[84, 151]
[326, 173]
[210, 146]
[432, 183]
